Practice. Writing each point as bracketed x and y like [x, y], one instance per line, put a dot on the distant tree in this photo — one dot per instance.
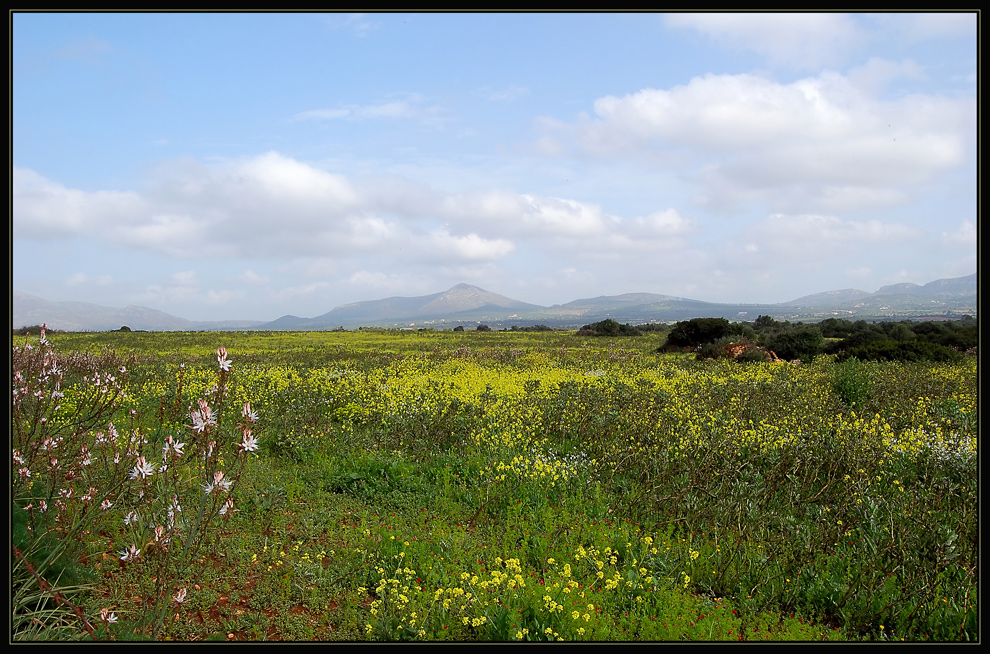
[484, 328]
[608, 327]
[888, 349]
[459, 328]
[697, 331]
[795, 342]
[763, 323]
[124, 328]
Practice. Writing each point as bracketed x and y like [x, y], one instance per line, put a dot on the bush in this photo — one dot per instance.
[795, 342]
[697, 331]
[890, 350]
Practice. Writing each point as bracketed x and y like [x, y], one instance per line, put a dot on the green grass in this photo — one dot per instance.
[494, 486]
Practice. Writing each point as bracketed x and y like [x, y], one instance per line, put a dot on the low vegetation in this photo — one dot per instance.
[490, 486]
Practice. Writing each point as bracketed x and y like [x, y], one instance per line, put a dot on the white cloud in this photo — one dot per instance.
[43, 208]
[357, 24]
[252, 277]
[964, 236]
[303, 290]
[79, 278]
[412, 107]
[792, 40]
[876, 73]
[470, 247]
[918, 27]
[271, 207]
[820, 143]
[185, 278]
[817, 229]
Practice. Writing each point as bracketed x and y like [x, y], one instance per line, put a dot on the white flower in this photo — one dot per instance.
[143, 469]
[130, 517]
[203, 419]
[172, 446]
[248, 414]
[107, 616]
[180, 597]
[219, 483]
[250, 443]
[130, 554]
[222, 359]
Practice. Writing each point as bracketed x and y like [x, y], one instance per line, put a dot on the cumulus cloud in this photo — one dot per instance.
[44, 208]
[277, 208]
[822, 143]
[797, 41]
[470, 247]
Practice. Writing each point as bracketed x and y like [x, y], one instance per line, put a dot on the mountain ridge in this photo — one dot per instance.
[465, 304]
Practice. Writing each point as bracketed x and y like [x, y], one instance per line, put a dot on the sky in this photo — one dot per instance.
[249, 166]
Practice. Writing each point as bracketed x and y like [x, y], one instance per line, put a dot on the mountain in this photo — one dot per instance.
[462, 302]
[27, 310]
[469, 305]
[828, 298]
[957, 295]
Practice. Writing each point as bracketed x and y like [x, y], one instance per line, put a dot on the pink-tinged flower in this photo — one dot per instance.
[180, 597]
[219, 483]
[161, 536]
[24, 472]
[130, 554]
[143, 469]
[227, 506]
[130, 517]
[202, 419]
[250, 443]
[248, 414]
[222, 359]
[173, 447]
[107, 616]
[106, 504]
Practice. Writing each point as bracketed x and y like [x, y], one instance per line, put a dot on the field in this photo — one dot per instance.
[485, 486]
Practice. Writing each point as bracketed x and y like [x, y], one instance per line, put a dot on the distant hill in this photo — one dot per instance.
[462, 302]
[468, 305]
[27, 310]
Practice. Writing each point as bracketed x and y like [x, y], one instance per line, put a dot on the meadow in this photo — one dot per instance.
[498, 486]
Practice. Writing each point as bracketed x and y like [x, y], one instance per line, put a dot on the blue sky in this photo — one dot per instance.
[247, 166]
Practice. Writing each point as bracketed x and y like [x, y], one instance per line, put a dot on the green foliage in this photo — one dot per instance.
[684, 499]
[608, 327]
[851, 383]
[891, 350]
[803, 342]
[697, 331]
